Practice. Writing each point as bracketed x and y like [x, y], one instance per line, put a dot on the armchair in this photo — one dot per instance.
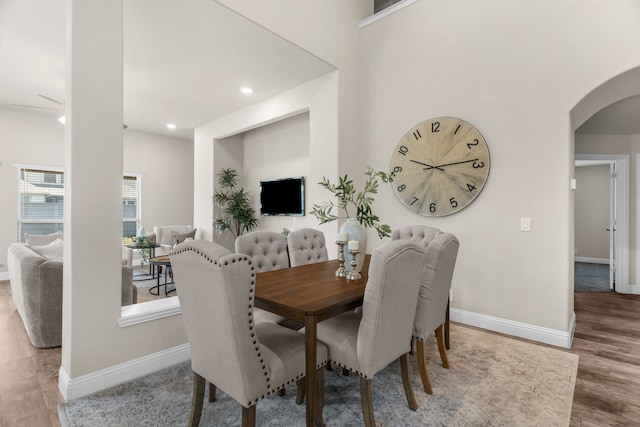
[166, 236]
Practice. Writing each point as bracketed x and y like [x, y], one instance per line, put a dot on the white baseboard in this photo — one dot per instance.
[74, 388]
[591, 260]
[518, 329]
[4, 275]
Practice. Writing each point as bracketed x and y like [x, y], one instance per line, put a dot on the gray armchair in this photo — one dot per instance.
[246, 359]
[367, 341]
[433, 302]
[306, 246]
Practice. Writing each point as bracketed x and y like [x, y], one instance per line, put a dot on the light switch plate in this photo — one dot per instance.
[525, 224]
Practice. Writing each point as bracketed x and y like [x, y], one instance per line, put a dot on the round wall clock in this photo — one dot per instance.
[440, 166]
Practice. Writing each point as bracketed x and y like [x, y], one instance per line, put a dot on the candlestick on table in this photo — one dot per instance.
[341, 271]
[353, 274]
[354, 245]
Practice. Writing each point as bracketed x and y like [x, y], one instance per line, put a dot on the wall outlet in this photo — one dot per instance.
[525, 224]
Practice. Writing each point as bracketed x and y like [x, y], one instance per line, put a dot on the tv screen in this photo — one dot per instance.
[283, 196]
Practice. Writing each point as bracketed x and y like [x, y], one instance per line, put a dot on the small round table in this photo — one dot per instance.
[159, 262]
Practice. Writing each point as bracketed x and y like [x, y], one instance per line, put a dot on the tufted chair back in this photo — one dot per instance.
[306, 246]
[421, 234]
[267, 248]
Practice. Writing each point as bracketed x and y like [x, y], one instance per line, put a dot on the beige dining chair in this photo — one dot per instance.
[366, 342]
[268, 250]
[433, 302]
[306, 246]
[248, 360]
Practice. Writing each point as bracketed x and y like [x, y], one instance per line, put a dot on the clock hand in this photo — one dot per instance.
[427, 165]
[454, 163]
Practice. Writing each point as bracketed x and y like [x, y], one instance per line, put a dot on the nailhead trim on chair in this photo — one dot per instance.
[340, 365]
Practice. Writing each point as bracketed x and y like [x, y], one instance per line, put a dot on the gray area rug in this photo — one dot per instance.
[493, 381]
[590, 277]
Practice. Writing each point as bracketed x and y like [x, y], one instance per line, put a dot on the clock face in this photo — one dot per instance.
[440, 166]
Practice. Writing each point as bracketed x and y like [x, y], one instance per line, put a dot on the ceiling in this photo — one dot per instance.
[619, 118]
[184, 61]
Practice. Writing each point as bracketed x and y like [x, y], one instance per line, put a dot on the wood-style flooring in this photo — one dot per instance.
[607, 339]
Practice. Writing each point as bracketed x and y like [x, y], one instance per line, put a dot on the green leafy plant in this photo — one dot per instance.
[236, 213]
[143, 243]
[347, 197]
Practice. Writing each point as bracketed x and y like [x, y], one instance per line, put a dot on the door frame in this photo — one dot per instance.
[622, 221]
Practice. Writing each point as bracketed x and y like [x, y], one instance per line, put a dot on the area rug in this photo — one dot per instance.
[493, 381]
[590, 277]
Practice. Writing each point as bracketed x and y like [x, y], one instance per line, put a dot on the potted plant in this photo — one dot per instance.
[348, 199]
[236, 213]
[356, 207]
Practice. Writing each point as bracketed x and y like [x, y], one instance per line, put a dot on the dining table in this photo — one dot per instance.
[310, 294]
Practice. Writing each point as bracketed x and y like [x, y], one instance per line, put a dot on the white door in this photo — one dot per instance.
[612, 227]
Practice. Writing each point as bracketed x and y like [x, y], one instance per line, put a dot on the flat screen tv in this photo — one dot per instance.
[284, 196]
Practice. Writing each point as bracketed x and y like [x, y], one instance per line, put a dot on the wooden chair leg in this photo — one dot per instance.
[319, 397]
[197, 400]
[212, 392]
[422, 367]
[446, 329]
[301, 384]
[441, 346]
[366, 395]
[406, 382]
[249, 416]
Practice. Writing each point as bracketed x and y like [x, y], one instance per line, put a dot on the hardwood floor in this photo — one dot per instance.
[607, 339]
[28, 375]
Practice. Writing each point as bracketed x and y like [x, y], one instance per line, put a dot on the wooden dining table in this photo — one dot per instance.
[310, 294]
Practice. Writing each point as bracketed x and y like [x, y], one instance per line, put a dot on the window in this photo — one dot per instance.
[41, 202]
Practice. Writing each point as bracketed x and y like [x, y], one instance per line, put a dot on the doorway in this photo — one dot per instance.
[601, 223]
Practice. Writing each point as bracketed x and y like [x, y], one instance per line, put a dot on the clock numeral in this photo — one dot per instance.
[401, 188]
[453, 202]
[456, 131]
[478, 165]
[471, 187]
[394, 172]
[413, 200]
[403, 150]
[432, 207]
[435, 127]
[473, 144]
[417, 134]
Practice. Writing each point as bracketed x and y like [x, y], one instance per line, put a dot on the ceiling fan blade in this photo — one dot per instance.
[51, 99]
[35, 106]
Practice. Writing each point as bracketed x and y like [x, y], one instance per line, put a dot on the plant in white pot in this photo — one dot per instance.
[355, 206]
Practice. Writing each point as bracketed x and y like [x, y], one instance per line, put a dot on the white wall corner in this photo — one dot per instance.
[517, 329]
[84, 385]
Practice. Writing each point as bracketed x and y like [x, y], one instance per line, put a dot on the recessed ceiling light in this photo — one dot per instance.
[246, 90]
[171, 125]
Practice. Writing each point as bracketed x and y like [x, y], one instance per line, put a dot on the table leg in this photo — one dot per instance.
[310, 366]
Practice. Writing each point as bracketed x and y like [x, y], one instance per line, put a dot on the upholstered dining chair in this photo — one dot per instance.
[268, 250]
[246, 359]
[306, 246]
[365, 342]
[433, 301]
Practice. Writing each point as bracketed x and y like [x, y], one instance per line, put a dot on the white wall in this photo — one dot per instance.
[592, 212]
[278, 150]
